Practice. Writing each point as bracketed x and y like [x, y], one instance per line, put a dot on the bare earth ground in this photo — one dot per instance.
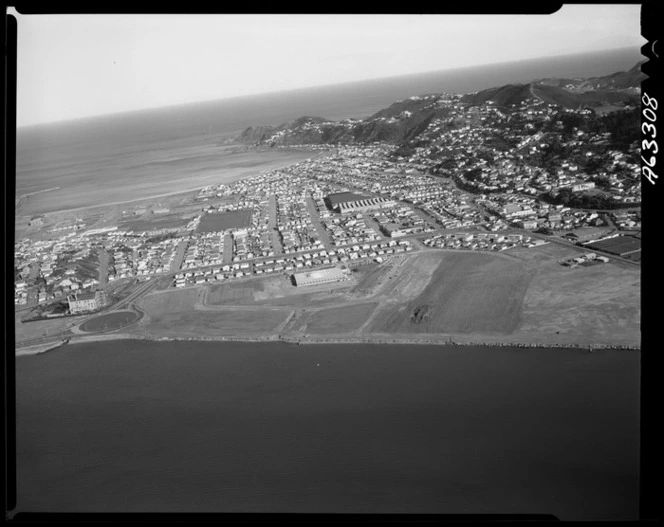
[598, 304]
[520, 296]
[466, 293]
[275, 290]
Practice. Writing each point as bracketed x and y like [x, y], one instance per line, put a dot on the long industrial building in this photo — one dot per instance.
[364, 205]
[334, 200]
[319, 276]
[351, 202]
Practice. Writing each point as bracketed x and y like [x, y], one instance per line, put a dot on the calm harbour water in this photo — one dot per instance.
[131, 426]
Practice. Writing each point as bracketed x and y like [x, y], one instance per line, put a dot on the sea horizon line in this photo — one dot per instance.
[322, 87]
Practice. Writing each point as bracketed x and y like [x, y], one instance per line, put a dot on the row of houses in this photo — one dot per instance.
[480, 241]
[310, 260]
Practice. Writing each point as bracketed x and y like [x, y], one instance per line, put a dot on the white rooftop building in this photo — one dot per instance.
[319, 276]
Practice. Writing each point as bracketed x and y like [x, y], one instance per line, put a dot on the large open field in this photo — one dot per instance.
[109, 322]
[171, 301]
[39, 328]
[238, 293]
[275, 291]
[220, 221]
[467, 293]
[222, 322]
[585, 305]
[180, 313]
[338, 319]
[520, 296]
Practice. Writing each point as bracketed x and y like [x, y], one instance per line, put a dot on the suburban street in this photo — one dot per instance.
[276, 241]
[315, 218]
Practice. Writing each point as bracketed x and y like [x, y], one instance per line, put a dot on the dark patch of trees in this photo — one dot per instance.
[550, 155]
[473, 175]
[594, 163]
[502, 144]
[624, 127]
[568, 198]
[160, 238]
[404, 150]
[570, 121]
[449, 163]
[486, 155]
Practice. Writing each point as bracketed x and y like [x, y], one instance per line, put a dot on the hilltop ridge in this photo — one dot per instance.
[406, 119]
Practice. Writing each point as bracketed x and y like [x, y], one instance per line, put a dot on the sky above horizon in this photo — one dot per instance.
[71, 66]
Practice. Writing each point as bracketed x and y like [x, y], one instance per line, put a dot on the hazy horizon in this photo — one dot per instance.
[78, 66]
[330, 86]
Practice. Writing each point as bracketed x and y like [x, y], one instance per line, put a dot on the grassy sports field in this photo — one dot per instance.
[109, 322]
[220, 221]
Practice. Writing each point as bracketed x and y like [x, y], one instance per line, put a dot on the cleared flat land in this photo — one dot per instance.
[521, 296]
[223, 322]
[275, 291]
[239, 293]
[467, 293]
[180, 313]
[220, 221]
[338, 319]
[585, 305]
[172, 301]
[109, 322]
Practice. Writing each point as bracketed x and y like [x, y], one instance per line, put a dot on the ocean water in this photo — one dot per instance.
[131, 426]
[135, 155]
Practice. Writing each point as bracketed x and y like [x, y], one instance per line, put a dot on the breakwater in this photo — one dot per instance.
[312, 340]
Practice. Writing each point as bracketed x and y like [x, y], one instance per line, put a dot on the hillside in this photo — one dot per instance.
[616, 89]
[394, 125]
[621, 80]
[406, 119]
[502, 96]
[589, 99]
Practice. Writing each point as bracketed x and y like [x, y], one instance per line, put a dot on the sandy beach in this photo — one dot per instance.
[138, 182]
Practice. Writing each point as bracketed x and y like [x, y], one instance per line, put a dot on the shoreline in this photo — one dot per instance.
[38, 349]
[232, 179]
[445, 342]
